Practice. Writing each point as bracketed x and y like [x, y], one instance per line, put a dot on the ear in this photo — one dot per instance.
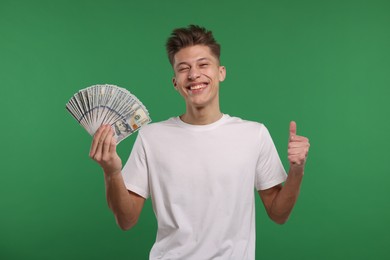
[222, 73]
[174, 83]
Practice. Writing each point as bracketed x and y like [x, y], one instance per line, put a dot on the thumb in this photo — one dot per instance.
[293, 129]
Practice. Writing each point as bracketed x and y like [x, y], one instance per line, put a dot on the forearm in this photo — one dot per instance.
[125, 205]
[119, 201]
[286, 198]
[280, 200]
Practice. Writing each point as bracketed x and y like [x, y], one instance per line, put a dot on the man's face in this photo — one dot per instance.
[197, 76]
[121, 126]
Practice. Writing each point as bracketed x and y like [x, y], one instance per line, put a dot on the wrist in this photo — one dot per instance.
[297, 169]
[112, 173]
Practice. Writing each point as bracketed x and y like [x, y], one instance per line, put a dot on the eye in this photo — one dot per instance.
[183, 69]
[203, 65]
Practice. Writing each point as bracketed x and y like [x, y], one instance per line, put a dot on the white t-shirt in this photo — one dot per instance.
[201, 180]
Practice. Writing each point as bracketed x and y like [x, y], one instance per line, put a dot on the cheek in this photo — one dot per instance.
[214, 74]
[177, 80]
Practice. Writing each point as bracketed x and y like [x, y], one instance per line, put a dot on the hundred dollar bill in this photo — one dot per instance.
[108, 104]
[131, 123]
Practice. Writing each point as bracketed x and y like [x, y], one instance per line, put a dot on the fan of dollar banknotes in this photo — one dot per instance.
[108, 104]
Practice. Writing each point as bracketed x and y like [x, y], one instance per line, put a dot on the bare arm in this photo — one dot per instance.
[125, 205]
[280, 200]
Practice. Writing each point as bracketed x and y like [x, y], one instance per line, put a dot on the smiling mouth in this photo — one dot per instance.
[197, 87]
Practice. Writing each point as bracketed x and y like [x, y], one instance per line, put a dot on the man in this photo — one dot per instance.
[200, 169]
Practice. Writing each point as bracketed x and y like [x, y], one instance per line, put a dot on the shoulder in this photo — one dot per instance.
[157, 127]
[243, 124]
[245, 129]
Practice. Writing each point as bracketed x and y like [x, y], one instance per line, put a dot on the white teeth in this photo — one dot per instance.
[197, 87]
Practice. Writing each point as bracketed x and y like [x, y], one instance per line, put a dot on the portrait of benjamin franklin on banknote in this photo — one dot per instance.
[122, 128]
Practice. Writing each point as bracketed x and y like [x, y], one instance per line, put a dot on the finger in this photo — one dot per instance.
[113, 143]
[298, 138]
[99, 149]
[299, 141]
[95, 142]
[107, 143]
[293, 129]
[299, 150]
[292, 146]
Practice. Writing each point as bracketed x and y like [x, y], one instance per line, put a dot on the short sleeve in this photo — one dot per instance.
[269, 169]
[135, 171]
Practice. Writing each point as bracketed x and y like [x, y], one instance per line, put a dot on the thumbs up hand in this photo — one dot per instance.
[298, 147]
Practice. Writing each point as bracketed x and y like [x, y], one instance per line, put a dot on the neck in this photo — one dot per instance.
[201, 116]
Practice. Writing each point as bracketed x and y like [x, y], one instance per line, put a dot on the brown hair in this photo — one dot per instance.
[190, 36]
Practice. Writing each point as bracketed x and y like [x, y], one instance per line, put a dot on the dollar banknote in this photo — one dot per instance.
[108, 104]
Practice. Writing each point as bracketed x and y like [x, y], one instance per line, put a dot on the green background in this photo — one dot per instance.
[325, 64]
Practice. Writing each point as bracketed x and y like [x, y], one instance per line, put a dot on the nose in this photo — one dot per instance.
[193, 74]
